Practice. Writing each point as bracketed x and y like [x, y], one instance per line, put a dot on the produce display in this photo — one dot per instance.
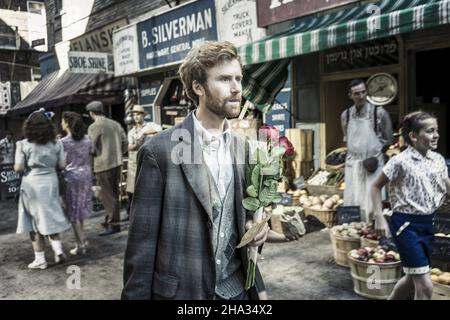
[336, 157]
[369, 233]
[380, 254]
[322, 202]
[326, 178]
[439, 276]
[352, 230]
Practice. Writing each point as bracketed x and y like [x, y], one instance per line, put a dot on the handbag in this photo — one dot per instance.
[371, 164]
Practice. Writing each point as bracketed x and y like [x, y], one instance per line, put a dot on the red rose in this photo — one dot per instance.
[268, 133]
[284, 142]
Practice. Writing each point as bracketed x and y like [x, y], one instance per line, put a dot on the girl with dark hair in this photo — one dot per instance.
[418, 183]
[77, 175]
[40, 213]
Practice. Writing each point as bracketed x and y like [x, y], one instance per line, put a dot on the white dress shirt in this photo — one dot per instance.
[216, 154]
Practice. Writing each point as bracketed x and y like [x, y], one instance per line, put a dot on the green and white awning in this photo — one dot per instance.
[348, 26]
[264, 58]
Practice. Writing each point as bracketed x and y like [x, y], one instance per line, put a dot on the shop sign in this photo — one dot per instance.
[126, 57]
[149, 87]
[9, 179]
[279, 116]
[238, 22]
[274, 11]
[364, 55]
[90, 62]
[167, 38]
[348, 214]
[99, 40]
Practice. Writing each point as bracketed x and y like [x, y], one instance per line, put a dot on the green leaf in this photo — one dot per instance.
[256, 175]
[251, 204]
[271, 170]
[251, 191]
[273, 185]
[264, 194]
[277, 198]
[262, 157]
[277, 152]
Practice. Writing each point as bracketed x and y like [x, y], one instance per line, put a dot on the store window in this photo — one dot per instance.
[175, 105]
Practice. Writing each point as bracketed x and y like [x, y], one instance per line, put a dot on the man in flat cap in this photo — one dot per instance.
[136, 137]
[110, 143]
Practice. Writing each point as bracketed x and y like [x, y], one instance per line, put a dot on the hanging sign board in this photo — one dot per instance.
[167, 38]
[90, 62]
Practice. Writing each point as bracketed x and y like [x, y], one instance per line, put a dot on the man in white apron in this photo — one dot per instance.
[367, 129]
[136, 137]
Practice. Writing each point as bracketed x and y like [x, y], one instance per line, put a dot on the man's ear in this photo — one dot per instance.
[198, 88]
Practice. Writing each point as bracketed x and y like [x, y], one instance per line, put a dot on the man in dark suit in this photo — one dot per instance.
[187, 213]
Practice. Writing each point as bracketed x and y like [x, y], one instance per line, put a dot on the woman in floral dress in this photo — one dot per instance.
[77, 175]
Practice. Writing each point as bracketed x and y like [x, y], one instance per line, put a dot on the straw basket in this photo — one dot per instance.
[327, 217]
[330, 167]
[314, 190]
[440, 291]
[342, 246]
[374, 280]
[369, 243]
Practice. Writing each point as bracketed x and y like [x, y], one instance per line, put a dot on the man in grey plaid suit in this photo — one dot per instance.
[187, 215]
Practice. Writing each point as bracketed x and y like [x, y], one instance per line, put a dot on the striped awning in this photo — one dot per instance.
[63, 88]
[344, 27]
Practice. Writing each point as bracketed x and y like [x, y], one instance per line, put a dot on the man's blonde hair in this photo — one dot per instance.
[202, 57]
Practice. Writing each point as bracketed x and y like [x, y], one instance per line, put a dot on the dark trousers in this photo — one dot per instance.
[109, 195]
[130, 198]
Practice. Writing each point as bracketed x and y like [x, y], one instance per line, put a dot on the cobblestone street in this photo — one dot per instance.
[302, 269]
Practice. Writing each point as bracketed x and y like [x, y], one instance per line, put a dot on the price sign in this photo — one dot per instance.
[347, 214]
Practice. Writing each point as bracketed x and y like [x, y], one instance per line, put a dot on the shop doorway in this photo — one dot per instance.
[432, 93]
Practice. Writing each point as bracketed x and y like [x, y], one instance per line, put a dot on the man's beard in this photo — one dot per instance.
[220, 108]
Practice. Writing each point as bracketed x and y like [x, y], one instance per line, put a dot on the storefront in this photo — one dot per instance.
[401, 38]
[152, 50]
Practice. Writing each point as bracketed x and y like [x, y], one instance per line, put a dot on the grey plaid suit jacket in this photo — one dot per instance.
[169, 253]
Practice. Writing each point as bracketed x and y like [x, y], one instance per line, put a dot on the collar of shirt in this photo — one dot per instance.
[363, 111]
[208, 140]
[416, 155]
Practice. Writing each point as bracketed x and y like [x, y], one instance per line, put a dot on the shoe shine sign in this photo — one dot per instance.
[274, 11]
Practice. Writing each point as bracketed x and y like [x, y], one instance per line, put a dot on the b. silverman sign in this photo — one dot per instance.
[167, 38]
[90, 62]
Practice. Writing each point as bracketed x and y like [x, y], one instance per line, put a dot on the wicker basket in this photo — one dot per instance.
[342, 246]
[314, 190]
[440, 291]
[363, 273]
[330, 167]
[327, 217]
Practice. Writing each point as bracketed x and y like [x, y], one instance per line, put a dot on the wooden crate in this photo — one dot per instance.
[303, 142]
[440, 292]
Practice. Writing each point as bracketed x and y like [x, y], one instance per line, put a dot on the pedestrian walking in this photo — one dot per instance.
[110, 143]
[77, 176]
[7, 147]
[367, 130]
[136, 137]
[187, 215]
[38, 156]
[418, 184]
